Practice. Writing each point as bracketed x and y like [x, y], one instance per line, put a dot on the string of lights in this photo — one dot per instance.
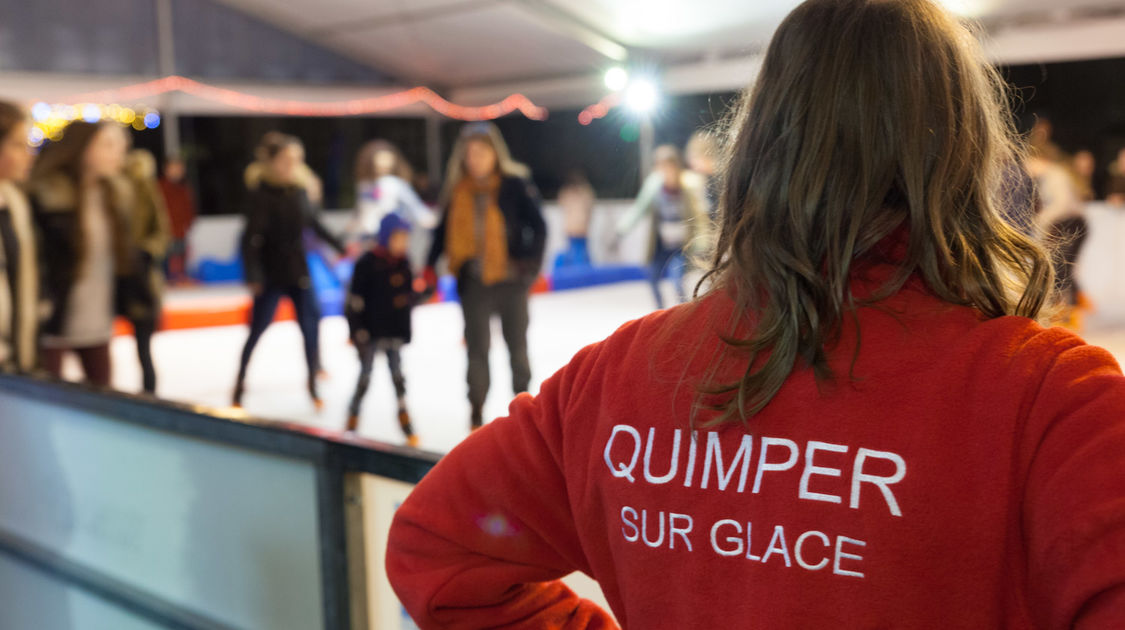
[599, 109]
[355, 107]
[50, 121]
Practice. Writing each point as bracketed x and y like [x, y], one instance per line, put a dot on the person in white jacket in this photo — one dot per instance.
[383, 187]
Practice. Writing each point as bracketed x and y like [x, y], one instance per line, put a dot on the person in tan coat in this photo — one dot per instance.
[141, 289]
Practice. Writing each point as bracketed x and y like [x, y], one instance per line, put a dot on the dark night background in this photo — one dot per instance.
[1084, 100]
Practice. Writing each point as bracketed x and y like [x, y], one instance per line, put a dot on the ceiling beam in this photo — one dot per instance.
[402, 18]
[566, 23]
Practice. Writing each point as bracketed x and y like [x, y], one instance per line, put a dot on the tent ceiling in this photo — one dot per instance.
[461, 43]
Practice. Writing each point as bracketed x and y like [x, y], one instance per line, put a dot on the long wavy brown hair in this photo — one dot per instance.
[870, 120]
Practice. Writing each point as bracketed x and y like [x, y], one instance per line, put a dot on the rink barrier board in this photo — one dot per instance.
[336, 459]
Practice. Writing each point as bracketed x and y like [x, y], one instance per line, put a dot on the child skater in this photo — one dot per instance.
[379, 305]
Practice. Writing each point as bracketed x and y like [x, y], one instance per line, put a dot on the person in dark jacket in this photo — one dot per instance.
[273, 253]
[19, 269]
[493, 234]
[379, 305]
[80, 206]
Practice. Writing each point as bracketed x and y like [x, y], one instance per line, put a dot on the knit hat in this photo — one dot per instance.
[389, 225]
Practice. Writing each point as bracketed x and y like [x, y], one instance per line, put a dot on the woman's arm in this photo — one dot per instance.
[532, 209]
[254, 240]
[157, 241]
[437, 247]
[312, 220]
[1074, 501]
[420, 214]
[484, 538]
[642, 206]
[356, 303]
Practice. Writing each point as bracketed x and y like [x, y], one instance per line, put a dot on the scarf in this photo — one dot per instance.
[463, 243]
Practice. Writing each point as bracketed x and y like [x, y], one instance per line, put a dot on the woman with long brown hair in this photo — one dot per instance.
[861, 425]
[493, 234]
[81, 209]
[19, 269]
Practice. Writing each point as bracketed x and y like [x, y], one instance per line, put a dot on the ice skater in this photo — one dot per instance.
[493, 234]
[378, 308]
[383, 177]
[674, 201]
[274, 256]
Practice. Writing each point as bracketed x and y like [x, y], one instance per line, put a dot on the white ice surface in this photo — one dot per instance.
[199, 366]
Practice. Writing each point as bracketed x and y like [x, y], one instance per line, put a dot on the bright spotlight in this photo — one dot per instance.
[642, 96]
[616, 79]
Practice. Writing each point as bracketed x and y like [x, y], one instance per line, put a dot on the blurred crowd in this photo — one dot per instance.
[89, 235]
[86, 232]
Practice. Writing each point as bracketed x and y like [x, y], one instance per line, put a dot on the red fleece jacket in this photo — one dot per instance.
[970, 475]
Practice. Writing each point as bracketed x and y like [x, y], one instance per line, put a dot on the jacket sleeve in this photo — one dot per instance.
[160, 236]
[421, 214]
[437, 247]
[1074, 501]
[312, 220]
[253, 240]
[642, 206]
[532, 208]
[355, 304]
[478, 546]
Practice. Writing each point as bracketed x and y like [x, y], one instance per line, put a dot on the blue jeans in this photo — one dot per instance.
[308, 319]
[670, 262]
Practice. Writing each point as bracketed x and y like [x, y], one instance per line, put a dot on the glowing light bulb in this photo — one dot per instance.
[40, 112]
[91, 113]
[152, 120]
[642, 97]
[616, 78]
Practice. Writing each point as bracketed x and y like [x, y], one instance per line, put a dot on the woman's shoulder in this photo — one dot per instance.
[1029, 341]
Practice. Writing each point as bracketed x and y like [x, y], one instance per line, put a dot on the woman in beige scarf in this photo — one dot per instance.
[493, 234]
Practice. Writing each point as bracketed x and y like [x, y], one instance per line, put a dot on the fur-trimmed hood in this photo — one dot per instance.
[57, 192]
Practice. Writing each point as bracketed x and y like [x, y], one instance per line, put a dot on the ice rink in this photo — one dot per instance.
[199, 366]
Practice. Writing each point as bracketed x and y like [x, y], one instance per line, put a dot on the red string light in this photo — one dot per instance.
[599, 109]
[355, 107]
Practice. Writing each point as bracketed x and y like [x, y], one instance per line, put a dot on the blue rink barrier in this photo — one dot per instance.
[579, 277]
[127, 512]
[331, 281]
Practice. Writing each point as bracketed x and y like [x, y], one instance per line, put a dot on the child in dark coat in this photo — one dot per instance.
[378, 309]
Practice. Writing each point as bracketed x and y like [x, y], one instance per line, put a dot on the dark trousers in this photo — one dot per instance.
[367, 353]
[479, 303]
[95, 363]
[143, 330]
[1070, 234]
[668, 261]
[308, 319]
